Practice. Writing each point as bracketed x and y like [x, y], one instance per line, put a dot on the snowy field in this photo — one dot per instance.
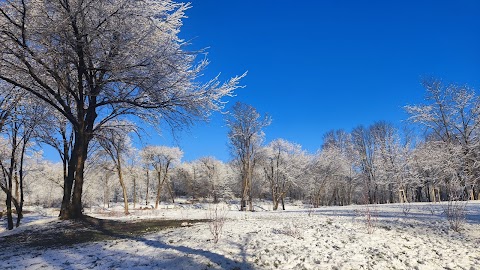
[411, 236]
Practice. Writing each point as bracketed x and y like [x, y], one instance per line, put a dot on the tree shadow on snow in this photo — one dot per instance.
[218, 259]
[53, 251]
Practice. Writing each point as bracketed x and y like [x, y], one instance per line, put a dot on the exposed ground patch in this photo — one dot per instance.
[88, 229]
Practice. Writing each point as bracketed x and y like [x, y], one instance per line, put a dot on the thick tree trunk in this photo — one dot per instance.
[67, 167]
[65, 209]
[275, 202]
[73, 187]
[19, 215]
[8, 203]
[77, 207]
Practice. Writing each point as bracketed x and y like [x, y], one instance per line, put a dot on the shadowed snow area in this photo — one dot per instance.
[395, 236]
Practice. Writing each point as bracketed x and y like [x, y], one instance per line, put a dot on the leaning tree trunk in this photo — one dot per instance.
[122, 184]
[167, 182]
[170, 190]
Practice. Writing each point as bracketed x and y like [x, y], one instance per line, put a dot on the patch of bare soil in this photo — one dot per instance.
[87, 229]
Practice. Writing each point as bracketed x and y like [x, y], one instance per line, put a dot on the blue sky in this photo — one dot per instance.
[314, 66]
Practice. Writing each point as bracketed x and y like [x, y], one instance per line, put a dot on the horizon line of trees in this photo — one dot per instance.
[368, 165]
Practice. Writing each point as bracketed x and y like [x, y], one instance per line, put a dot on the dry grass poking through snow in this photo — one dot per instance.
[328, 238]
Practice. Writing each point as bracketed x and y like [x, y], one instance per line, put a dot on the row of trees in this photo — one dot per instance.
[375, 164]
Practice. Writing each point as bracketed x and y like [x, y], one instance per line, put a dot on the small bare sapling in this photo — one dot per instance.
[217, 214]
[455, 211]
[369, 214]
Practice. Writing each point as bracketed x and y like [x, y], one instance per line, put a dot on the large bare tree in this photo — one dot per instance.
[245, 136]
[94, 61]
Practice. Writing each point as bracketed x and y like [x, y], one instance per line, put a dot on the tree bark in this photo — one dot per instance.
[8, 203]
[243, 200]
[169, 187]
[76, 210]
[159, 189]
[21, 175]
[72, 207]
[134, 192]
[148, 183]
[122, 184]
[68, 182]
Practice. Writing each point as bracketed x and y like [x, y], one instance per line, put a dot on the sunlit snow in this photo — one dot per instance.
[404, 236]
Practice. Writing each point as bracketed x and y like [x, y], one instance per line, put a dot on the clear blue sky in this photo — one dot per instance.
[314, 66]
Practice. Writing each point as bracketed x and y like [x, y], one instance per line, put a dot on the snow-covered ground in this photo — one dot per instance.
[411, 236]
